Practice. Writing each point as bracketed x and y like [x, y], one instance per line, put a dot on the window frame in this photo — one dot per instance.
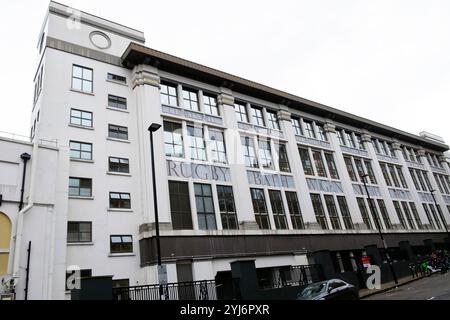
[118, 131]
[122, 244]
[81, 118]
[122, 202]
[82, 79]
[81, 151]
[79, 232]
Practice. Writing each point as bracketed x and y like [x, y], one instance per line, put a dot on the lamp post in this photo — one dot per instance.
[161, 269]
[440, 215]
[391, 266]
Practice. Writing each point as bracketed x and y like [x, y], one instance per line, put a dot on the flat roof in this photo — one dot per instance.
[138, 54]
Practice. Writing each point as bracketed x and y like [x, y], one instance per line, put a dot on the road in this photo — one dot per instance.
[435, 287]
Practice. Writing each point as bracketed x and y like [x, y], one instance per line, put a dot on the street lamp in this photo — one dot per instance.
[391, 266]
[161, 270]
[440, 215]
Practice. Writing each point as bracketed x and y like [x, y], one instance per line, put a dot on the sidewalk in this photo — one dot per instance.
[363, 293]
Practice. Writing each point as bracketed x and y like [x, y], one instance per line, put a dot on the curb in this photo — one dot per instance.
[393, 287]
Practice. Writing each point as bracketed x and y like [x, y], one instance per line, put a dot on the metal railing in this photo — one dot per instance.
[17, 137]
[280, 277]
[197, 290]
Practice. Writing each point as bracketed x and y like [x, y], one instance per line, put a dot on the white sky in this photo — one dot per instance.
[388, 61]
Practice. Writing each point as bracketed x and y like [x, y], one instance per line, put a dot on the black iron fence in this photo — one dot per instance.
[198, 290]
[280, 277]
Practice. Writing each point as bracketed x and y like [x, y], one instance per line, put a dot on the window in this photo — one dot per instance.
[82, 79]
[241, 112]
[297, 127]
[294, 210]
[169, 94]
[408, 215]
[320, 167]
[350, 169]
[384, 148]
[384, 214]
[117, 102]
[345, 212]
[115, 77]
[374, 212]
[197, 147]
[391, 150]
[118, 132]
[249, 152]
[359, 142]
[370, 172]
[272, 119]
[119, 200]
[217, 142]
[421, 180]
[283, 161]
[331, 165]
[210, 105]
[78, 232]
[205, 207]
[227, 208]
[416, 215]
[394, 176]
[402, 177]
[321, 134]
[260, 209]
[277, 209]
[173, 139]
[340, 137]
[79, 187]
[81, 118]
[80, 150]
[121, 244]
[309, 129]
[359, 168]
[427, 212]
[180, 205]
[349, 138]
[414, 178]
[257, 116]
[190, 99]
[386, 174]
[364, 213]
[400, 214]
[306, 161]
[319, 212]
[119, 165]
[376, 146]
[435, 216]
[265, 154]
[332, 212]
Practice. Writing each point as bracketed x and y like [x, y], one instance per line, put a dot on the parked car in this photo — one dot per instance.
[334, 289]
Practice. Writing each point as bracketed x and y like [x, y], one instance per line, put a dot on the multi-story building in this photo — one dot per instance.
[243, 170]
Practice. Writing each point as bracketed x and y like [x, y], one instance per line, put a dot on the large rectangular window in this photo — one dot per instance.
[319, 211]
[400, 214]
[435, 216]
[416, 215]
[82, 79]
[297, 126]
[79, 187]
[309, 129]
[265, 154]
[260, 208]
[421, 179]
[196, 142]
[278, 213]
[364, 213]
[386, 174]
[409, 218]
[384, 214]
[190, 99]
[210, 105]
[119, 200]
[350, 169]
[80, 150]
[359, 168]
[306, 161]
[360, 142]
[321, 134]
[427, 213]
[283, 161]
[332, 212]
[349, 139]
[320, 166]
[251, 160]
[257, 116]
[173, 139]
[205, 207]
[121, 244]
[117, 102]
[331, 165]
[340, 137]
[227, 208]
[394, 176]
[272, 120]
[375, 215]
[414, 178]
[169, 94]
[294, 210]
[117, 132]
[345, 212]
[370, 172]
[78, 232]
[180, 205]
[217, 142]
[401, 177]
[81, 118]
[241, 112]
[119, 165]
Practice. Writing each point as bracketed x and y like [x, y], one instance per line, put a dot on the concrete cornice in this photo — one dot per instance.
[143, 76]
[284, 115]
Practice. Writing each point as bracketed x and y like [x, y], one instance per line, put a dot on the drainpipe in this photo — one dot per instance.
[25, 157]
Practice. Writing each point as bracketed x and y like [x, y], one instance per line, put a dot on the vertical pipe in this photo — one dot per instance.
[28, 271]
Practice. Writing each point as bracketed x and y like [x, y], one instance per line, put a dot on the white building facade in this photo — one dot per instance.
[243, 170]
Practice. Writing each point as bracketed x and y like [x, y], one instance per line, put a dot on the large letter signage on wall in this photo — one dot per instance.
[270, 180]
[197, 171]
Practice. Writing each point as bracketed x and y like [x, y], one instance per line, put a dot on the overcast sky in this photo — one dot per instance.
[388, 61]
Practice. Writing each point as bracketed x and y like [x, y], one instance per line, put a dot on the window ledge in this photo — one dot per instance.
[117, 82]
[122, 174]
[118, 140]
[81, 127]
[129, 254]
[81, 160]
[76, 244]
[120, 210]
[83, 92]
[118, 109]
[81, 198]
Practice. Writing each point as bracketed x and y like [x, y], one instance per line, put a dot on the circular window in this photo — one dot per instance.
[100, 40]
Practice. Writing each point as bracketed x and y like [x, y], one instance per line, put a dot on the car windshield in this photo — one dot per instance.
[314, 290]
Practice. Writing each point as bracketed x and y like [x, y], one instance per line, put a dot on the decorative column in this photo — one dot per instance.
[350, 196]
[445, 164]
[309, 216]
[384, 190]
[412, 190]
[243, 199]
[146, 90]
[437, 194]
